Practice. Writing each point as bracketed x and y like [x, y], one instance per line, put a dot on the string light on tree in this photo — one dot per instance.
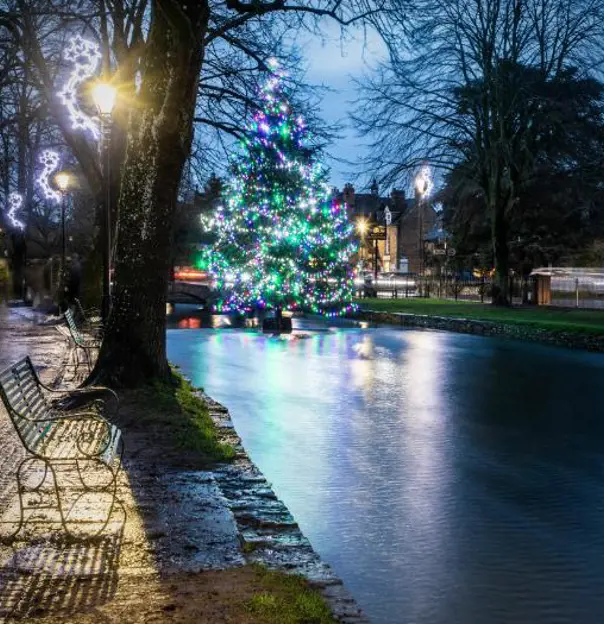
[15, 201]
[281, 241]
[85, 56]
[50, 161]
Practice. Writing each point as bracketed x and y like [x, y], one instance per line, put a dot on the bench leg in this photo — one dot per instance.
[109, 488]
[22, 490]
[67, 524]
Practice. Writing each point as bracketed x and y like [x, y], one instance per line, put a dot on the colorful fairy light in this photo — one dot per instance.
[85, 56]
[280, 240]
[15, 201]
[50, 160]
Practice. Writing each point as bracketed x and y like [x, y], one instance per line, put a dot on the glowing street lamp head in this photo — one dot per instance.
[362, 225]
[104, 96]
[62, 180]
[423, 182]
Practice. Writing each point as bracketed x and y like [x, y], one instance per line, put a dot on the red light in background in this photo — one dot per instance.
[189, 323]
[189, 273]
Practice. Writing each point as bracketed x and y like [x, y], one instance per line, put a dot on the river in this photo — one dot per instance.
[448, 479]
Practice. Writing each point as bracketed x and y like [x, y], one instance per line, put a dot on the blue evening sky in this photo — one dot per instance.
[333, 62]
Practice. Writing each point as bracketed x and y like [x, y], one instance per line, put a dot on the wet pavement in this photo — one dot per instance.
[167, 522]
[163, 521]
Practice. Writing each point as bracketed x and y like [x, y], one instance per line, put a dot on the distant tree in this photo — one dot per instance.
[558, 202]
[463, 85]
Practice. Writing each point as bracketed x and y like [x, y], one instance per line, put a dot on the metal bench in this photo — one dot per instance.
[90, 319]
[71, 431]
[81, 341]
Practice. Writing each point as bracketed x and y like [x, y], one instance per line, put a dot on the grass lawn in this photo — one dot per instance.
[550, 318]
[175, 422]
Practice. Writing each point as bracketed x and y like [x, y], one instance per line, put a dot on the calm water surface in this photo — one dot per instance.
[446, 478]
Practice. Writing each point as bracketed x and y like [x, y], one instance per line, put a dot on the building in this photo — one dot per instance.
[406, 222]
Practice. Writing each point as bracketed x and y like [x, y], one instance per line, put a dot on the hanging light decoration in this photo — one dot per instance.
[50, 161]
[85, 57]
[15, 201]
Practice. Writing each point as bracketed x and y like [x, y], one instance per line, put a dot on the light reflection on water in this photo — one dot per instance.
[447, 478]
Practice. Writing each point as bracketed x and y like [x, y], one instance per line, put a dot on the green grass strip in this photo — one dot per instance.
[288, 599]
[538, 317]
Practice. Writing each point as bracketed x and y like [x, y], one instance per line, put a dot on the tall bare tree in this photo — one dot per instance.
[453, 92]
[157, 51]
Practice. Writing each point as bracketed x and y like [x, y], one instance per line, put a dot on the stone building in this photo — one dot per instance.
[410, 221]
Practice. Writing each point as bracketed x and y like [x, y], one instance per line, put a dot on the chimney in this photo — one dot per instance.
[398, 199]
[349, 194]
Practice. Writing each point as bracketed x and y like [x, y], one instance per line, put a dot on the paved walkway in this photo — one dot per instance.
[167, 523]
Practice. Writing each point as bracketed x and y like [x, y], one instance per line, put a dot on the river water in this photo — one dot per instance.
[446, 478]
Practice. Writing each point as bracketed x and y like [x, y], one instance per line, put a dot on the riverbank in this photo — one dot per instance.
[571, 328]
[180, 547]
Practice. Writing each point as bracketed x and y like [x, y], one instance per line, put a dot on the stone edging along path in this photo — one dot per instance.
[267, 530]
[572, 340]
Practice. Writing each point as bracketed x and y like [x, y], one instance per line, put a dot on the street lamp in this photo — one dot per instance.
[423, 187]
[63, 181]
[362, 225]
[104, 96]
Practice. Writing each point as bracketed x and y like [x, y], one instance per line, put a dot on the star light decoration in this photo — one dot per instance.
[281, 240]
[85, 56]
[15, 201]
[50, 160]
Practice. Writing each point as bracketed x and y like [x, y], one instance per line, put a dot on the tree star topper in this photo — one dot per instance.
[50, 160]
[15, 201]
[85, 56]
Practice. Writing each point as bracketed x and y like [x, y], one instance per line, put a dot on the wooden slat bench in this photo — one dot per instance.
[69, 431]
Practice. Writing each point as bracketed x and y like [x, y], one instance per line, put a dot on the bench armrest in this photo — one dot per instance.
[63, 415]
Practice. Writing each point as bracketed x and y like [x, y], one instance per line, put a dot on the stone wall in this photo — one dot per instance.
[573, 340]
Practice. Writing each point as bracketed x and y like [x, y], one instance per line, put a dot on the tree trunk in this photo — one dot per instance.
[18, 264]
[500, 254]
[158, 143]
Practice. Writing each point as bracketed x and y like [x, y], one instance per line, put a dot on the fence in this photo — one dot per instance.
[577, 291]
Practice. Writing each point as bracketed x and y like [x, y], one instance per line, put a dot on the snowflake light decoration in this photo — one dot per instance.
[50, 160]
[85, 56]
[424, 183]
[15, 201]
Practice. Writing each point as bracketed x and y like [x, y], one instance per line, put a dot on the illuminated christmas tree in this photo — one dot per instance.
[281, 242]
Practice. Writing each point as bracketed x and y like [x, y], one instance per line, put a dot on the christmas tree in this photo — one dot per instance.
[281, 242]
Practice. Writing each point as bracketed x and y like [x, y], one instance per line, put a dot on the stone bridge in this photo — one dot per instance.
[188, 292]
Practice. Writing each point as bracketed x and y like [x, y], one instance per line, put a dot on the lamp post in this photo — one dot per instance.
[104, 96]
[63, 180]
[362, 225]
[423, 186]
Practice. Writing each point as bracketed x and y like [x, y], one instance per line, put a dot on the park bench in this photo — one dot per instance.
[82, 341]
[69, 432]
[89, 319]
